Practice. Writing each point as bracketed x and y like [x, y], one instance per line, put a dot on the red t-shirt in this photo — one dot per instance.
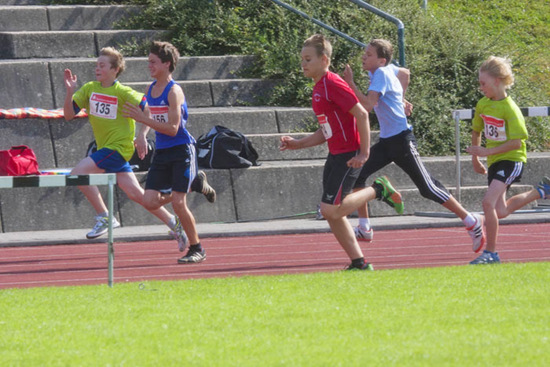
[332, 99]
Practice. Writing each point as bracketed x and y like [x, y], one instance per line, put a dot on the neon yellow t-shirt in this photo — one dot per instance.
[500, 122]
[104, 106]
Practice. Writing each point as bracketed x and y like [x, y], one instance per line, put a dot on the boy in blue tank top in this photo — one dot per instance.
[174, 170]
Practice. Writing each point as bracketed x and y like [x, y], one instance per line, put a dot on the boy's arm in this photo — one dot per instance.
[404, 77]
[362, 118]
[289, 143]
[369, 100]
[476, 142]
[70, 85]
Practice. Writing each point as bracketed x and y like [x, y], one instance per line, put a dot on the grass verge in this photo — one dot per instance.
[486, 315]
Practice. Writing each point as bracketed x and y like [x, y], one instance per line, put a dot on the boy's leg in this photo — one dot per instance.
[85, 167]
[494, 197]
[517, 202]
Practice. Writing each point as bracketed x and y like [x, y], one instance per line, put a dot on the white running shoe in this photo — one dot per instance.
[179, 235]
[477, 233]
[363, 235]
[101, 227]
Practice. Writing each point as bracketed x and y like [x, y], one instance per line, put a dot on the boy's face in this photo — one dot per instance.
[371, 62]
[157, 67]
[103, 70]
[489, 85]
[313, 65]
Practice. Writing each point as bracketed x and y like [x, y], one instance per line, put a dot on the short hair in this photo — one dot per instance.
[115, 58]
[166, 52]
[384, 49]
[320, 44]
[500, 68]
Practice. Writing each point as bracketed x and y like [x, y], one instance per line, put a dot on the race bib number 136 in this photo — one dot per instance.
[102, 105]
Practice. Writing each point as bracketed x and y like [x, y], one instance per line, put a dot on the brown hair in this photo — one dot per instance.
[384, 49]
[115, 57]
[166, 52]
[500, 68]
[320, 44]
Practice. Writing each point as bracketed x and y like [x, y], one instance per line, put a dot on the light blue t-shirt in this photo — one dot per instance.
[389, 109]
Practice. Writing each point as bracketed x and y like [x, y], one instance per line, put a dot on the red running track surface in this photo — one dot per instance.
[66, 265]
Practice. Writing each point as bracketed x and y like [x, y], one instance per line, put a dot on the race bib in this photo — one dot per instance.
[325, 126]
[159, 113]
[104, 106]
[495, 128]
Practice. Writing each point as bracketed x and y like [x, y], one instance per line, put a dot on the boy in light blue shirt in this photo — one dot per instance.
[397, 142]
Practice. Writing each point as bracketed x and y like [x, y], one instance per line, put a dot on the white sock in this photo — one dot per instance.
[104, 214]
[469, 220]
[364, 223]
[172, 223]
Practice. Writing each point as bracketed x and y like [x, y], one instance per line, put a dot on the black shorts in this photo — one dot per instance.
[173, 169]
[505, 171]
[401, 149]
[338, 178]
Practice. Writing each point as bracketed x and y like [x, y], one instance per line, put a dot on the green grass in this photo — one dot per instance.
[454, 316]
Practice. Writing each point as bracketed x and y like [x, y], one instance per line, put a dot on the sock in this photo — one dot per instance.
[196, 247]
[469, 220]
[364, 223]
[104, 214]
[378, 189]
[358, 263]
[172, 223]
[541, 192]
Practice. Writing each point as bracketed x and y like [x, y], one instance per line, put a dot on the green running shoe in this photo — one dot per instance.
[390, 195]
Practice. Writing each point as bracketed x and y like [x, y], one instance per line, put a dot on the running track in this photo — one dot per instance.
[66, 265]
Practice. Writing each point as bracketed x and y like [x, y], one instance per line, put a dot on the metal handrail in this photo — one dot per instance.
[319, 23]
[391, 18]
[364, 5]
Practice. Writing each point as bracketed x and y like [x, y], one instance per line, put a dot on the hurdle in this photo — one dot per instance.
[7, 182]
[468, 114]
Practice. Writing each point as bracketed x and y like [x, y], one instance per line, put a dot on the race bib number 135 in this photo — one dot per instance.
[104, 106]
[495, 128]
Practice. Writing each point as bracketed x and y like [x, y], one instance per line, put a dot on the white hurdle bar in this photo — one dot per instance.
[8, 182]
[468, 114]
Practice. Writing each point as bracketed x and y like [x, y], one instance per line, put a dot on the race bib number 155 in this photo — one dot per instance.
[104, 106]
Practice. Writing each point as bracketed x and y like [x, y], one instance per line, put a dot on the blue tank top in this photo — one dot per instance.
[159, 110]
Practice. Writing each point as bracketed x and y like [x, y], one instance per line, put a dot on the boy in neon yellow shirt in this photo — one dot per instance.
[503, 125]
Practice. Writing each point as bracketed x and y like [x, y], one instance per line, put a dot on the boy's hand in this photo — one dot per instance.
[408, 107]
[358, 161]
[141, 145]
[70, 80]
[478, 166]
[348, 75]
[133, 112]
[288, 142]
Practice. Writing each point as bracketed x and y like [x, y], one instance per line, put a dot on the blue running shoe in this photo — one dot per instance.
[486, 257]
[544, 188]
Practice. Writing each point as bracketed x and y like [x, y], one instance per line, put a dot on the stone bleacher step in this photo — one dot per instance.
[62, 17]
[220, 92]
[55, 44]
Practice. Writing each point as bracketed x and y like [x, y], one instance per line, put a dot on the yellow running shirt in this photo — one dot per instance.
[500, 122]
[104, 106]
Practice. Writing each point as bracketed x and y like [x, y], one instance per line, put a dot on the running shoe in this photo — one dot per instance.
[366, 266]
[390, 195]
[193, 256]
[179, 235]
[486, 258]
[477, 233]
[544, 188]
[205, 188]
[101, 227]
[363, 235]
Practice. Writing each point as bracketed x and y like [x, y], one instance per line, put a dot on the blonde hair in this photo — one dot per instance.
[384, 49]
[500, 68]
[115, 57]
[320, 44]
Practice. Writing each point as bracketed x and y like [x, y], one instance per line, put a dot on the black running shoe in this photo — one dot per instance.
[204, 187]
[193, 256]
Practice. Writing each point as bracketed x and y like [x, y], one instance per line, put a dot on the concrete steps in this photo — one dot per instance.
[284, 185]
